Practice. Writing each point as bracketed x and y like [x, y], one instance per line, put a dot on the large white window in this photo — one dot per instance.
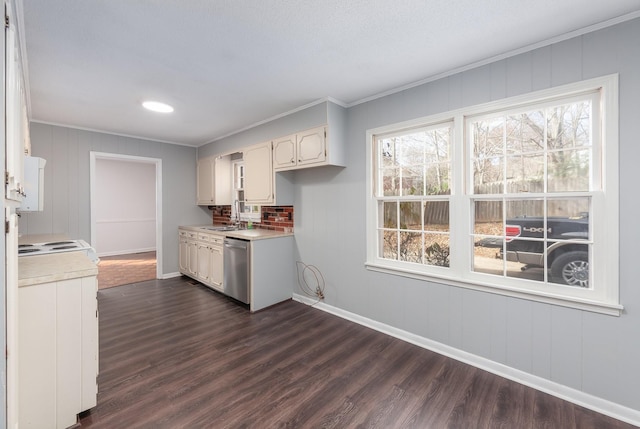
[518, 197]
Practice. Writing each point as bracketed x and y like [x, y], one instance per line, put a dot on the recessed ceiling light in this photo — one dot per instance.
[156, 106]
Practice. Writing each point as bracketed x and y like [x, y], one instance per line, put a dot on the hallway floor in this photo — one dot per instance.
[125, 269]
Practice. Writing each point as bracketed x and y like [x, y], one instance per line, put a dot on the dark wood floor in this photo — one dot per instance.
[177, 355]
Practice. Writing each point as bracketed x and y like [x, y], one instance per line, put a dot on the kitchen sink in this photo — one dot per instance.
[222, 228]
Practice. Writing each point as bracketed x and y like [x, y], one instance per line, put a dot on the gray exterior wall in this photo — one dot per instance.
[67, 206]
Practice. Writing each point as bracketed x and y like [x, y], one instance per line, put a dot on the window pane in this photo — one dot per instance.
[437, 145]
[569, 170]
[488, 218]
[389, 215]
[436, 249]
[438, 182]
[411, 149]
[569, 126]
[525, 173]
[388, 154]
[390, 181]
[389, 245]
[488, 175]
[412, 181]
[411, 215]
[568, 218]
[436, 216]
[410, 247]
[488, 138]
[571, 267]
[487, 260]
[525, 132]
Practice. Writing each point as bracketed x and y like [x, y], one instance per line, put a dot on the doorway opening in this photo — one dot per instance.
[126, 217]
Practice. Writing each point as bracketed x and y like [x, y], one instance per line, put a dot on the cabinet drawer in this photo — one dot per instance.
[217, 240]
[203, 237]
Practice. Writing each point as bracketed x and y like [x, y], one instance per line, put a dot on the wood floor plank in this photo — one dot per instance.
[178, 355]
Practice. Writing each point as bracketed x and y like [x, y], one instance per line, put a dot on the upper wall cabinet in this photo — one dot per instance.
[16, 120]
[258, 176]
[214, 181]
[310, 148]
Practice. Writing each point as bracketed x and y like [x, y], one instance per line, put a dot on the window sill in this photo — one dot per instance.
[593, 306]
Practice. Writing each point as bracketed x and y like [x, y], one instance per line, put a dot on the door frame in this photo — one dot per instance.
[158, 185]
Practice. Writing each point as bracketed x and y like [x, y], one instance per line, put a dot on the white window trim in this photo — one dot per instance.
[242, 216]
[602, 299]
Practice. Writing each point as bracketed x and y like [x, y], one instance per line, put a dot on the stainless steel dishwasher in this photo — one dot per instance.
[236, 269]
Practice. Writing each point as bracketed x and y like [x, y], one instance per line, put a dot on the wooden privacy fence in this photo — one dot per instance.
[437, 212]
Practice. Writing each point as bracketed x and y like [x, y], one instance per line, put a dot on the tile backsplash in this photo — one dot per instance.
[275, 218]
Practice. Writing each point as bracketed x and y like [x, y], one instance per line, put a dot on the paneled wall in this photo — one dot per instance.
[592, 353]
[67, 192]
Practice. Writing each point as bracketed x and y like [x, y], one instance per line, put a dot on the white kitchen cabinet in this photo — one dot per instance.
[258, 175]
[188, 253]
[214, 181]
[201, 257]
[58, 352]
[217, 262]
[304, 149]
[192, 257]
[16, 121]
[261, 185]
[285, 152]
[183, 252]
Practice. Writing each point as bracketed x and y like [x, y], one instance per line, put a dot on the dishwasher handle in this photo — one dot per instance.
[235, 243]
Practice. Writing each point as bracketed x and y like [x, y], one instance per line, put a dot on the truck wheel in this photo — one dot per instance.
[571, 268]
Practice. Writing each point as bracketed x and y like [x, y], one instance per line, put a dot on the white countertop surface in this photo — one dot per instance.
[246, 234]
[41, 238]
[38, 269]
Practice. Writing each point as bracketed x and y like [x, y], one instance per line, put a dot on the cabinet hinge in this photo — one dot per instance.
[7, 227]
[6, 177]
[6, 21]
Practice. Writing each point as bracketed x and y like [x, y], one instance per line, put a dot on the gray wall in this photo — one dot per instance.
[590, 352]
[67, 201]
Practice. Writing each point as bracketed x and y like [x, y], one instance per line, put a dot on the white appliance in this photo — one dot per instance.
[33, 200]
[56, 247]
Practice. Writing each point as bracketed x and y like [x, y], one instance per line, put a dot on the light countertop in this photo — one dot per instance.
[246, 234]
[41, 238]
[38, 269]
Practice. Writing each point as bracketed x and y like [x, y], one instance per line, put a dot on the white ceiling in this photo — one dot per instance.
[227, 64]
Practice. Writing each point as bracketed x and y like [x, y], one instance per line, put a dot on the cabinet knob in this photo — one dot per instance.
[292, 161]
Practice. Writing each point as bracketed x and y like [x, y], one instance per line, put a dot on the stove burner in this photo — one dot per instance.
[28, 250]
[58, 243]
[64, 247]
[24, 245]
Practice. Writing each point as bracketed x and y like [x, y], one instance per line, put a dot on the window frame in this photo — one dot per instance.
[603, 297]
[236, 188]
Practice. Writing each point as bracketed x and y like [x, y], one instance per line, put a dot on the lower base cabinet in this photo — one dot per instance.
[57, 352]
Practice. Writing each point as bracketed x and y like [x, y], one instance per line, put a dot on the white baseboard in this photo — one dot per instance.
[170, 275]
[127, 252]
[578, 397]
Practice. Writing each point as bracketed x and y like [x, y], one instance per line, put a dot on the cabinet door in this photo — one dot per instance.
[90, 343]
[312, 146]
[217, 265]
[284, 152]
[204, 185]
[68, 356]
[37, 368]
[204, 262]
[258, 176]
[222, 185]
[192, 258]
[183, 258]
